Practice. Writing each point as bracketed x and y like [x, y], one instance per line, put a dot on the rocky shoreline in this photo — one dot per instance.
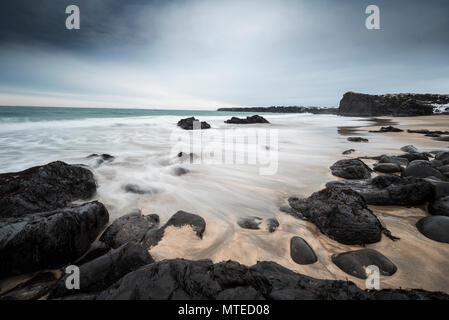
[44, 225]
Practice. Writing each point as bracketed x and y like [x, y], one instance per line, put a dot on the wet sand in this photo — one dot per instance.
[422, 263]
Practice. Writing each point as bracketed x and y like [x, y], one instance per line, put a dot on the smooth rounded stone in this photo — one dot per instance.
[33, 289]
[349, 151]
[272, 225]
[415, 156]
[351, 169]
[439, 207]
[193, 124]
[44, 188]
[248, 120]
[355, 262]
[435, 228]
[179, 171]
[340, 213]
[130, 227]
[440, 188]
[179, 219]
[443, 138]
[387, 167]
[409, 149]
[422, 169]
[443, 156]
[49, 240]
[250, 222]
[357, 139]
[103, 271]
[301, 252]
[134, 188]
[393, 159]
[96, 249]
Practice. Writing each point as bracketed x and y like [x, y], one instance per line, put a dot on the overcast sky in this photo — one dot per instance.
[190, 54]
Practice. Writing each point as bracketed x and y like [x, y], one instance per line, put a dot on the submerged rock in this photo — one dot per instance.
[301, 252]
[341, 214]
[272, 225]
[193, 124]
[349, 151]
[355, 262]
[387, 129]
[49, 239]
[249, 222]
[351, 169]
[435, 228]
[44, 188]
[134, 188]
[101, 158]
[357, 139]
[248, 120]
[130, 227]
[179, 219]
[103, 271]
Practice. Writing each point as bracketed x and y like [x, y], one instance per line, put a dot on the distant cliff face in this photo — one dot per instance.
[402, 104]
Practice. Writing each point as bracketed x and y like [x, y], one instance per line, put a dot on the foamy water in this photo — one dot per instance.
[146, 155]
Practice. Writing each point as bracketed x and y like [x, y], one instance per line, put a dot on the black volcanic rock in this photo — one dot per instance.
[351, 169]
[202, 280]
[248, 120]
[435, 228]
[103, 271]
[301, 252]
[130, 227]
[403, 104]
[44, 188]
[188, 124]
[179, 219]
[422, 169]
[355, 262]
[341, 214]
[49, 239]
[33, 289]
[410, 149]
[249, 222]
[387, 129]
[439, 207]
[349, 151]
[387, 167]
[357, 139]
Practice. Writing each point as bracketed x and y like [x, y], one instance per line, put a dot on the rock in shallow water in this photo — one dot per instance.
[49, 239]
[249, 222]
[301, 252]
[355, 262]
[44, 188]
[435, 228]
[130, 227]
[357, 139]
[351, 169]
[193, 124]
[248, 120]
[179, 219]
[410, 149]
[341, 214]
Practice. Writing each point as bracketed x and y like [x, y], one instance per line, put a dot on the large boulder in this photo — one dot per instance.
[439, 207]
[193, 124]
[443, 157]
[301, 252]
[387, 167]
[435, 228]
[103, 271]
[130, 227]
[44, 188]
[351, 169]
[202, 280]
[179, 219]
[248, 120]
[422, 169]
[405, 104]
[355, 262]
[49, 239]
[391, 190]
[341, 214]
